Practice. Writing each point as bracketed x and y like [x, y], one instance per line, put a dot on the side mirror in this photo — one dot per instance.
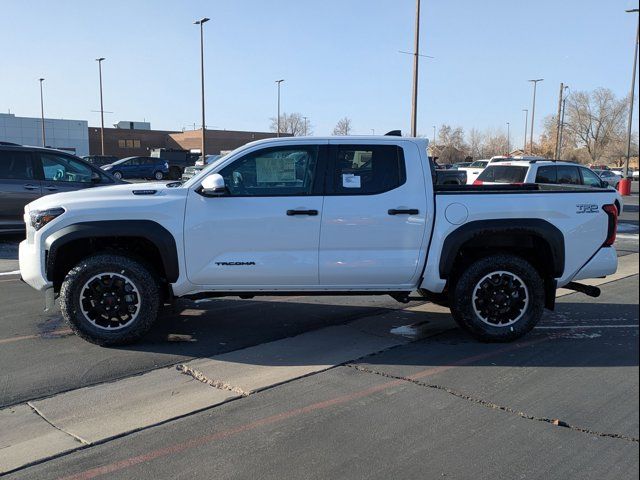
[95, 177]
[213, 185]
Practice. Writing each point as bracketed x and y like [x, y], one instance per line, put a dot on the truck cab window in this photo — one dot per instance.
[368, 169]
[273, 172]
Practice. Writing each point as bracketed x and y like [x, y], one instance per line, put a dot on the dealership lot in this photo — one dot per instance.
[317, 388]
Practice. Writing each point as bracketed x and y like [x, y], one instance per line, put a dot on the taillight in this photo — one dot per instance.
[478, 182]
[612, 213]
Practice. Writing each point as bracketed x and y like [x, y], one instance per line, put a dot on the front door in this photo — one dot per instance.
[374, 222]
[61, 173]
[264, 233]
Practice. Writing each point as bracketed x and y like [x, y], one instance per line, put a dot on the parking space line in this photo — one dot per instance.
[569, 327]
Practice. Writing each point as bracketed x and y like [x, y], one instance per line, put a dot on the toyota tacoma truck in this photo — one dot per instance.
[317, 216]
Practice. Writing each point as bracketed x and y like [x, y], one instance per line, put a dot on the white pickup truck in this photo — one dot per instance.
[317, 216]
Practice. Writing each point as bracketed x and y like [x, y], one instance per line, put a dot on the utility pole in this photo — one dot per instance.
[558, 121]
[278, 82]
[526, 119]
[201, 22]
[533, 112]
[631, 93]
[434, 135]
[508, 138]
[305, 126]
[414, 97]
[100, 60]
[564, 106]
[44, 141]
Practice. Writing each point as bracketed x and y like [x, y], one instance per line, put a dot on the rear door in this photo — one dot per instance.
[375, 214]
[18, 186]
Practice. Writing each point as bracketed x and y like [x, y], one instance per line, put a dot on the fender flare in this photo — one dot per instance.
[147, 229]
[508, 230]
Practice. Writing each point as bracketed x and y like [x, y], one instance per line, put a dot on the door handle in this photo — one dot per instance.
[302, 212]
[51, 189]
[28, 186]
[406, 211]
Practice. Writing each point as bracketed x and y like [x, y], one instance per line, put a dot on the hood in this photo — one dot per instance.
[109, 196]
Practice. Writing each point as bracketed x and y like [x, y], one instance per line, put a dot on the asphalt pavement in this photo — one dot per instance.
[562, 403]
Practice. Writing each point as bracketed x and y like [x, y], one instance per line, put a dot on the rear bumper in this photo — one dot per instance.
[603, 263]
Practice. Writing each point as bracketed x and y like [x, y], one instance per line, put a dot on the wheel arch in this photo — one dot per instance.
[144, 239]
[536, 240]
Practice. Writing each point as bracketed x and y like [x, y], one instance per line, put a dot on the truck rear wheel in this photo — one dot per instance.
[110, 299]
[498, 298]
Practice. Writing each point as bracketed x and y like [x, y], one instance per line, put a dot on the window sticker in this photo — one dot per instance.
[275, 170]
[349, 180]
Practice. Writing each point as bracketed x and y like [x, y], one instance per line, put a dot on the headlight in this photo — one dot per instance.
[39, 218]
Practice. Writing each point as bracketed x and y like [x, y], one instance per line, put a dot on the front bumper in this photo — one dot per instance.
[31, 260]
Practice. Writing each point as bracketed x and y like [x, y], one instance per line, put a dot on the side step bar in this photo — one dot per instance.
[586, 289]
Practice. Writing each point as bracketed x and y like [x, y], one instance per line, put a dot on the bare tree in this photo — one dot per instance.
[451, 145]
[475, 144]
[596, 120]
[343, 127]
[495, 143]
[291, 123]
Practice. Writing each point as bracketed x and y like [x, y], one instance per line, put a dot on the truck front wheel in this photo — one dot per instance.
[498, 298]
[110, 299]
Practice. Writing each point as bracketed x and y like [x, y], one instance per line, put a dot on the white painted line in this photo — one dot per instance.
[15, 272]
[573, 327]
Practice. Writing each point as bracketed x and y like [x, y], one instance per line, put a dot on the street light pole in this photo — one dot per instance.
[278, 82]
[414, 97]
[100, 60]
[533, 112]
[633, 87]
[305, 126]
[526, 119]
[508, 138]
[201, 22]
[44, 141]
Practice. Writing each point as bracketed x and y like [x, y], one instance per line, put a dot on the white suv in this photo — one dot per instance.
[547, 172]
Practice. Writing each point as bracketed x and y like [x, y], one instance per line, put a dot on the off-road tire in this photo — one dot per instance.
[461, 298]
[141, 278]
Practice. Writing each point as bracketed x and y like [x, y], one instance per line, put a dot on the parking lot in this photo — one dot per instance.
[296, 387]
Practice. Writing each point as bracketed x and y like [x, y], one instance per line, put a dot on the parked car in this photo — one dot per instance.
[546, 172]
[177, 160]
[27, 173]
[610, 176]
[373, 222]
[461, 165]
[100, 160]
[474, 170]
[138, 167]
[198, 167]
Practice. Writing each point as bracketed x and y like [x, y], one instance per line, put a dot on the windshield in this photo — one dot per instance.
[479, 163]
[503, 174]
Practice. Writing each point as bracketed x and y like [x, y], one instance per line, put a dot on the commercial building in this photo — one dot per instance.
[129, 142]
[69, 135]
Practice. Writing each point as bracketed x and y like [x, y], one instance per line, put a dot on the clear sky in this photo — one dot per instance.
[338, 58]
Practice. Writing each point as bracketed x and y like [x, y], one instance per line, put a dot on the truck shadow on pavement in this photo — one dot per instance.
[576, 334]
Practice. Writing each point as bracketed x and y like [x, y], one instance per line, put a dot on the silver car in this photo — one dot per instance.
[609, 176]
